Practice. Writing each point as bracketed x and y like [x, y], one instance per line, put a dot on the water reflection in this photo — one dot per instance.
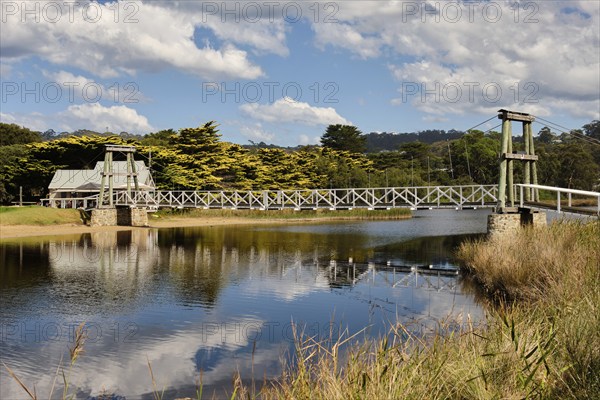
[201, 299]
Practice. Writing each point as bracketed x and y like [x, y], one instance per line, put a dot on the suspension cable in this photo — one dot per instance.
[563, 129]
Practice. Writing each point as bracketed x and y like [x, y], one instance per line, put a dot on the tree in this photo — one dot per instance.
[344, 138]
[593, 129]
[160, 138]
[193, 140]
[546, 135]
[415, 150]
[14, 134]
[577, 167]
[475, 155]
[12, 157]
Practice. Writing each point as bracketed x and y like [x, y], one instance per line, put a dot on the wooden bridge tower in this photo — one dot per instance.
[506, 188]
[508, 218]
[109, 173]
[106, 212]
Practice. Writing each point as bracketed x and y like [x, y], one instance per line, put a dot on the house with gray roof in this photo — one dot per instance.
[77, 183]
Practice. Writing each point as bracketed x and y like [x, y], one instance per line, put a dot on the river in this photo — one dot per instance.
[220, 299]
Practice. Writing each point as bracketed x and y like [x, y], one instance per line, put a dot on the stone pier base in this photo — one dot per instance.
[511, 223]
[103, 217]
[124, 216]
[138, 217]
[131, 216]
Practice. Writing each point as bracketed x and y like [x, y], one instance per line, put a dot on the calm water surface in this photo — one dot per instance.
[200, 299]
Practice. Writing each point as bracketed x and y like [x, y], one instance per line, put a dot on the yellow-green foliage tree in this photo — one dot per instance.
[341, 169]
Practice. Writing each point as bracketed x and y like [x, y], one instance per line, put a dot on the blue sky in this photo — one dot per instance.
[265, 73]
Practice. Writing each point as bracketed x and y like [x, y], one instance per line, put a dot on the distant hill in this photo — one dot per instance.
[51, 134]
[386, 141]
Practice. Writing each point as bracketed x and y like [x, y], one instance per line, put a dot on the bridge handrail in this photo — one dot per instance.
[558, 191]
[73, 201]
[321, 189]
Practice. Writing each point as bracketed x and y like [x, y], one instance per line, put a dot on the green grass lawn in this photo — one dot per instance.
[37, 215]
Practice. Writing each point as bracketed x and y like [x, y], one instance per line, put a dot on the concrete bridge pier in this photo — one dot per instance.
[510, 223]
[124, 216]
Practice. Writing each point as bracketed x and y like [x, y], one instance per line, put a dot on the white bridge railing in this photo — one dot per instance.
[560, 205]
[371, 198]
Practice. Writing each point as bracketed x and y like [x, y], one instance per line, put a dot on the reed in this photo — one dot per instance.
[540, 340]
[75, 350]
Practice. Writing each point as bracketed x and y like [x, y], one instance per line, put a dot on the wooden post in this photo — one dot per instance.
[503, 164]
[136, 183]
[511, 188]
[128, 162]
[20, 196]
[527, 179]
[110, 179]
[103, 180]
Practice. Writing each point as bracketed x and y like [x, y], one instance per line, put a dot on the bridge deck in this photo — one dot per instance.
[422, 197]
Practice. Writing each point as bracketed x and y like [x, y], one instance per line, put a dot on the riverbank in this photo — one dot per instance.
[541, 338]
[30, 221]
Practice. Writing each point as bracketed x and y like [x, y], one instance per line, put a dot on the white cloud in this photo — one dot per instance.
[286, 110]
[141, 37]
[34, 121]
[97, 117]
[7, 118]
[74, 88]
[92, 116]
[543, 58]
[348, 38]
[263, 36]
[5, 70]
[256, 132]
[305, 139]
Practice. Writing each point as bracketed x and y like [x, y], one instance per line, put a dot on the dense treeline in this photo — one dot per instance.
[197, 158]
[389, 141]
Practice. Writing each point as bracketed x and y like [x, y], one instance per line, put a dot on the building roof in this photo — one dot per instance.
[89, 180]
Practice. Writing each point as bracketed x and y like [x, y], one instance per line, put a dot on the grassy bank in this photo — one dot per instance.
[541, 339]
[287, 214]
[37, 215]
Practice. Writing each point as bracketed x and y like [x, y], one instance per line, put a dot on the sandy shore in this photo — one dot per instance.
[17, 231]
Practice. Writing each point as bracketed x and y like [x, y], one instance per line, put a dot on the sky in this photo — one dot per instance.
[282, 71]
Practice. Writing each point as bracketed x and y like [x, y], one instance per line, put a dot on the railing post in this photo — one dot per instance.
[521, 196]
[558, 201]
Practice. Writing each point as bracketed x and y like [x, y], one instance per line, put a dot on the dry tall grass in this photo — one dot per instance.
[537, 264]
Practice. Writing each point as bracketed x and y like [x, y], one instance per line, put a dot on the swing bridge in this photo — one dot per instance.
[505, 198]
